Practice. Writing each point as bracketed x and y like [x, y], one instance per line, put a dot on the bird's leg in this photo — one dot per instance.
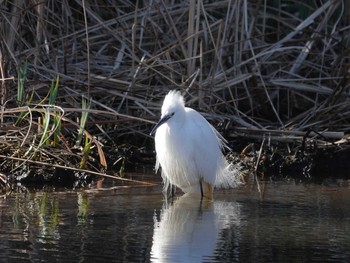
[201, 187]
[172, 191]
[169, 193]
[208, 190]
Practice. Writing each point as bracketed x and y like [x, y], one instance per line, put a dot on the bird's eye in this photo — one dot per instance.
[172, 114]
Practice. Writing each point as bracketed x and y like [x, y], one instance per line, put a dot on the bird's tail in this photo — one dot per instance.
[229, 176]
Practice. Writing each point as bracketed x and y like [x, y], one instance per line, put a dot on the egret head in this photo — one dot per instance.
[173, 108]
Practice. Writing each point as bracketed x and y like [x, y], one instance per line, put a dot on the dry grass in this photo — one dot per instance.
[267, 70]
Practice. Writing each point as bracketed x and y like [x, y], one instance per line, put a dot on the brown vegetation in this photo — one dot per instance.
[276, 71]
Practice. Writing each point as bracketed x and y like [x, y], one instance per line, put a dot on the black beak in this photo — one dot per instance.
[160, 122]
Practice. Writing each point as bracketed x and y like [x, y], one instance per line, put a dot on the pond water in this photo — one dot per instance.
[285, 221]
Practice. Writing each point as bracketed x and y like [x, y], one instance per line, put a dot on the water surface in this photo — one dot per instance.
[285, 221]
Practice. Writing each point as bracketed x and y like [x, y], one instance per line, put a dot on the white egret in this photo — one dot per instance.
[189, 150]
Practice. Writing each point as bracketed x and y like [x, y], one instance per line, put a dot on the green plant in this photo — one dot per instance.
[86, 152]
[22, 76]
[85, 105]
[54, 90]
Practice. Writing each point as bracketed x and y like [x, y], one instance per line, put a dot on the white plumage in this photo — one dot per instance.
[189, 150]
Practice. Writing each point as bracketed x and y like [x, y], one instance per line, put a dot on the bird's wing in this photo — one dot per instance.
[206, 149]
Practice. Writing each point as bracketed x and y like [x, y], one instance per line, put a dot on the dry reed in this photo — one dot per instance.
[275, 69]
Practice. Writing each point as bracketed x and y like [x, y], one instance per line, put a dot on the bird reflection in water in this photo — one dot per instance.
[188, 230]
